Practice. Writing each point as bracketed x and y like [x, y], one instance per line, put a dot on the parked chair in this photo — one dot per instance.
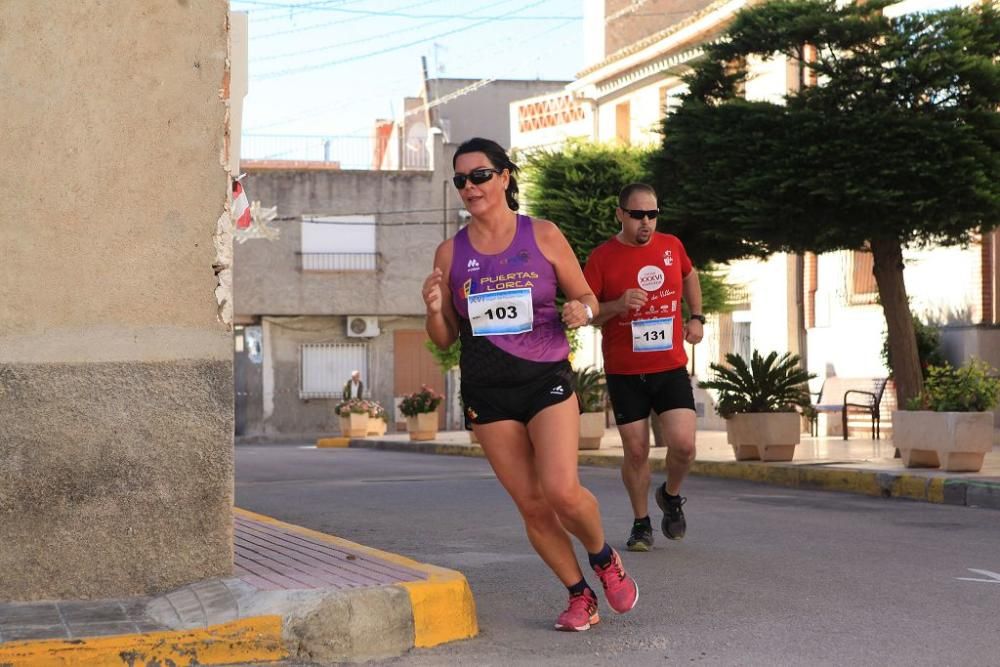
[841, 394]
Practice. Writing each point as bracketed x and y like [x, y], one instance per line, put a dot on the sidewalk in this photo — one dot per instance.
[295, 593]
[858, 465]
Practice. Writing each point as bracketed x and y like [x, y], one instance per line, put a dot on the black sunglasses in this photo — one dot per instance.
[477, 176]
[639, 214]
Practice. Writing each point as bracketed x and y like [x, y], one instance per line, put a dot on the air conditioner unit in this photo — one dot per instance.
[361, 326]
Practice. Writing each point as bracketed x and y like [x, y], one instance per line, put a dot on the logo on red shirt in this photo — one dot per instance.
[650, 278]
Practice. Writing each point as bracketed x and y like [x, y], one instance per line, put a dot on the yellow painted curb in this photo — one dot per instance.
[443, 607]
[246, 640]
[910, 486]
[333, 442]
[935, 490]
[835, 479]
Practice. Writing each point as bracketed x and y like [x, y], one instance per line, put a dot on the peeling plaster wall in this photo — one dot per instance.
[116, 470]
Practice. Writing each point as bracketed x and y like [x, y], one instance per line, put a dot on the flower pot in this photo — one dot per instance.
[422, 426]
[765, 436]
[591, 430]
[354, 425]
[956, 441]
[376, 426]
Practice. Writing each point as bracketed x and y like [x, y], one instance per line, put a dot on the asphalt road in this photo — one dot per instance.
[765, 576]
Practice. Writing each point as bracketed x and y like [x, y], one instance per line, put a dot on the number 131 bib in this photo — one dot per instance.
[653, 335]
[501, 313]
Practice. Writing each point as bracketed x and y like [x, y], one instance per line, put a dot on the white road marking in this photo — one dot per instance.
[994, 578]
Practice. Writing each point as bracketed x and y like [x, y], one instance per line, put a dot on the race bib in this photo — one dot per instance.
[501, 313]
[653, 335]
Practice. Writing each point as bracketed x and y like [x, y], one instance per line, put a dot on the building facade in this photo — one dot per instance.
[824, 308]
[339, 289]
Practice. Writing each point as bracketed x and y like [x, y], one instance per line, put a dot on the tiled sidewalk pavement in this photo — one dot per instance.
[74, 619]
[268, 557]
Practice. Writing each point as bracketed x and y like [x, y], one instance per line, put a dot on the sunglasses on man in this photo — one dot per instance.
[477, 176]
[639, 214]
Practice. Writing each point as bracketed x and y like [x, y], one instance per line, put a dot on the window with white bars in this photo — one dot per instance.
[326, 368]
[339, 243]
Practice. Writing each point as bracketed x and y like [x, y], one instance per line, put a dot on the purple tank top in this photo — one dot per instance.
[522, 264]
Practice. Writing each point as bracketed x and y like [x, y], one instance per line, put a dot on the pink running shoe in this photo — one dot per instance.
[580, 614]
[620, 589]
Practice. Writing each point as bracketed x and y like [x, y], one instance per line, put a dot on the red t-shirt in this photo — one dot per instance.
[649, 340]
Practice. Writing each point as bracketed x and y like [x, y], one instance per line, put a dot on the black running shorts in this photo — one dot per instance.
[633, 396]
[486, 404]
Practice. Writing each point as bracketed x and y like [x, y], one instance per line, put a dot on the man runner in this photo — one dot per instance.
[639, 277]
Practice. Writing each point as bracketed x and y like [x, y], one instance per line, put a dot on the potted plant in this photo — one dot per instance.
[377, 418]
[591, 393]
[759, 402]
[420, 410]
[353, 415]
[950, 424]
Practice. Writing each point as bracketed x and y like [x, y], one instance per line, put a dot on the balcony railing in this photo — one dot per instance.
[346, 151]
[339, 261]
[343, 152]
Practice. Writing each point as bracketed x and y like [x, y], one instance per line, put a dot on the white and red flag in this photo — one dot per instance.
[241, 207]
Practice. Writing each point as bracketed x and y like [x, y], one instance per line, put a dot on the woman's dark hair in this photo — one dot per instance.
[498, 158]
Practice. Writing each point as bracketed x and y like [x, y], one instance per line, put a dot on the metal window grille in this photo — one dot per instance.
[339, 261]
[324, 368]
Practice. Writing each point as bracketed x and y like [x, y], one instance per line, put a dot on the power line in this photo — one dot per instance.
[339, 22]
[432, 103]
[292, 54]
[272, 12]
[370, 54]
[398, 13]
[277, 7]
[475, 85]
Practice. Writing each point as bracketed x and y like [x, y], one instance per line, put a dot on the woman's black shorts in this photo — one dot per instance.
[520, 402]
[633, 396]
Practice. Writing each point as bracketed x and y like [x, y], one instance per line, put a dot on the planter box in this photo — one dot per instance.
[765, 436]
[376, 426]
[423, 426]
[591, 430]
[354, 425]
[955, 441]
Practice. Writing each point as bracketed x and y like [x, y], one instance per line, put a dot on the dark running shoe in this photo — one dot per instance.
[674, 525]
[641, 537]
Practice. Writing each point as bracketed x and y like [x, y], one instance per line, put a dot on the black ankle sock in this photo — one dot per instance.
[644, 521]
[601, 558]
[580, 587]
[667, 494]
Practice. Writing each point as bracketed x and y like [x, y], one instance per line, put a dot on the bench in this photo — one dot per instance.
[843, 394]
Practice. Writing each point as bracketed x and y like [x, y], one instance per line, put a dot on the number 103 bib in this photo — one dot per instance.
[501, 313]
[653, 335]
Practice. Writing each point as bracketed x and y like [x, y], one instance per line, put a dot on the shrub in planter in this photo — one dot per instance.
[760, 402]
[378, 419]
[353, 415]
[420, 410]
[950, 424]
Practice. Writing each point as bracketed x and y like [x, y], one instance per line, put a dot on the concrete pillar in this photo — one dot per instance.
[116, 459]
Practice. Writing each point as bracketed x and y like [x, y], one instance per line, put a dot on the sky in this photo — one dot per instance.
[332, 67]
